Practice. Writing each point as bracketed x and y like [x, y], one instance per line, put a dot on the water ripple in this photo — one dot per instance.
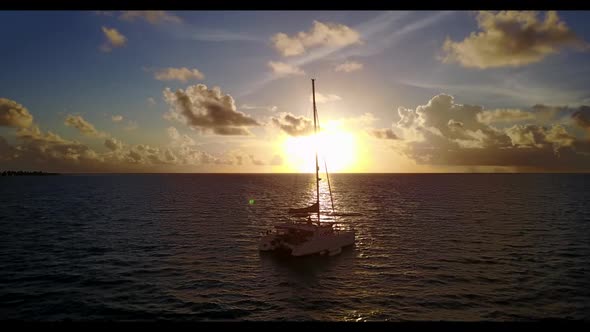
[183, 247]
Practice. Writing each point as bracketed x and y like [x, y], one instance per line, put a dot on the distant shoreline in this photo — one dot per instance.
[26, 173]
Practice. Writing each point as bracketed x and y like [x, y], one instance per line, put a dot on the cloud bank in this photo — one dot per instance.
[443, 132]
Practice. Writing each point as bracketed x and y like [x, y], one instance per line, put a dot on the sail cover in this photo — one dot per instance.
[312, 208]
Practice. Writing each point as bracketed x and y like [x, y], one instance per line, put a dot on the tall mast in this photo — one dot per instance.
[317, 167]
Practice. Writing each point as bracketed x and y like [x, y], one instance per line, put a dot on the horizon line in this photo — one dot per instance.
[295, 173]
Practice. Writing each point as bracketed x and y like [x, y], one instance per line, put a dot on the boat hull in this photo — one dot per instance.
[332, 245]
[320, 244]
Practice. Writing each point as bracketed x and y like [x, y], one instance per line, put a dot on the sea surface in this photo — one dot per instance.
[469, 247]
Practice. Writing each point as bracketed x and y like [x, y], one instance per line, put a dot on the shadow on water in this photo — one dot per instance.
[307, 267]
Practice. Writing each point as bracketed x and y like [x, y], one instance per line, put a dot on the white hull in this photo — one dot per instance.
[330, 244]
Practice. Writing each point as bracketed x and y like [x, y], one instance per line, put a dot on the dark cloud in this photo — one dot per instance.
[170, 156]
[52, 152]
[385, 133]
[443, 132]
[134, 156]
[35, 149]
[6, 150]
[582, 117]
[293, 125]
[113, 144]
[231, 131]
[208, 109]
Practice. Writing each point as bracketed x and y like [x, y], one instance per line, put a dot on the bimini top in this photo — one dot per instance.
[314, 208]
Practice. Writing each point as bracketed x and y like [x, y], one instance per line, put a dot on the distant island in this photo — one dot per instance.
[26, 173]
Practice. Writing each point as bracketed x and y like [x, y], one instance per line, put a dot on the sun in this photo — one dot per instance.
[335, 145]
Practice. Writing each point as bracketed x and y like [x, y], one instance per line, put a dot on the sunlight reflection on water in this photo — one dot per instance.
[184, 247]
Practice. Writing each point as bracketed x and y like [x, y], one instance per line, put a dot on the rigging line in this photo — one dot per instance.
[326, 166]
[315, 131]
[329, 186]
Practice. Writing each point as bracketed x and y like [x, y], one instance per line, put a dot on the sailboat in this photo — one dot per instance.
[304, 237]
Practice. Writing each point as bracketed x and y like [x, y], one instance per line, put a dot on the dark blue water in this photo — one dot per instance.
[184, 247]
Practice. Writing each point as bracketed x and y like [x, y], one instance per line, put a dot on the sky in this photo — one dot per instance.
[230, 91]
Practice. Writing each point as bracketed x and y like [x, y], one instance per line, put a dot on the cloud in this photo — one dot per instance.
[134, 156]
[389, 28]
[113, 144]
[13, 114]
[114, 39]
[151, 101]
[282, 69]
[385, 133]
[504, 115]
[443, 132]
[293, 125]
[35, 149]
[349, 66]
[49, 149]
[537, 136]
[374, 29]
[117, 118]
[208, 109]
[582, 117]
[6, 150]
[178, 139]
[323, 99]
[321, 34]
[151, 16]
[506, 89]
[173, 133]
[511, 39]
[170, 156]
[83, 126]
[271, 108]
[189, 156]
[180, 74]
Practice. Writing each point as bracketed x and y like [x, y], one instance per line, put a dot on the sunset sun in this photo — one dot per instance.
[335, 145]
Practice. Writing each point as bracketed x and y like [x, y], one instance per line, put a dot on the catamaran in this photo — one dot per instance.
[304, 237]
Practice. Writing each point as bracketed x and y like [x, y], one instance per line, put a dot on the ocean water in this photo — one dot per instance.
[469, 247]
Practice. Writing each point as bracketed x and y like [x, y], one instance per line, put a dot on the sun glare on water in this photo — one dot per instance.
[337, 146]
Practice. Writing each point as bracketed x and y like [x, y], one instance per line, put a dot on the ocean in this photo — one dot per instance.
[467, 247]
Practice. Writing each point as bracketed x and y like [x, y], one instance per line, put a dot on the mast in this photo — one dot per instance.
[317, 167]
